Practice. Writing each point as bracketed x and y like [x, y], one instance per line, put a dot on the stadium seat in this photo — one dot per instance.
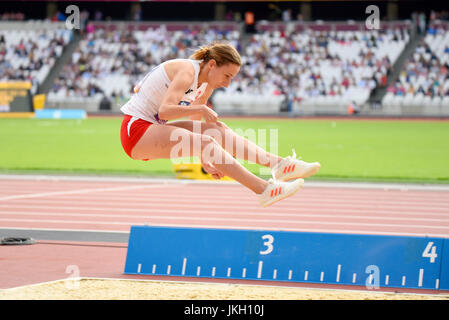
[433, 108]
[436, 102]
[417, 100]
[408, 99]
[397, 101]
[445, 102]
[426, 101]
[387, 99]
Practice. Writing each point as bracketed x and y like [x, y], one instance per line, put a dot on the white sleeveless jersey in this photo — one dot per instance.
[150, 91]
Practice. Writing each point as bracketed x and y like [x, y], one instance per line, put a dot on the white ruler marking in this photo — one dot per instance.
[259, 269]
[421, 276]
[168, 269]
[184, 263]
[338, 272]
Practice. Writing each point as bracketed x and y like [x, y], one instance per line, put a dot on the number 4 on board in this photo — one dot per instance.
[430, 252]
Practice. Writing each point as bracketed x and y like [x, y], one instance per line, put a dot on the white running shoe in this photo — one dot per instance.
[291, 168]
[278, 190]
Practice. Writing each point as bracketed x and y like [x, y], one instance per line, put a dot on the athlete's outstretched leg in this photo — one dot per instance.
[283, 169]
[168, 142]
[238, 146]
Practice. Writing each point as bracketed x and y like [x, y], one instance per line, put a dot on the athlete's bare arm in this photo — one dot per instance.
[202, 100]
[182, 79]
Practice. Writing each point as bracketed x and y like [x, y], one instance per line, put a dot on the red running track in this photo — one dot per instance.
[115, 205]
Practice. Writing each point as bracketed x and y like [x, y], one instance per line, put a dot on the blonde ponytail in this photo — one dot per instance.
[200, 54]
[222, 53]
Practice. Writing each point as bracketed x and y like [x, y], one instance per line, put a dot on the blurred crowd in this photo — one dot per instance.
[314, 63]
[299, 65]
[24, 54]
[427, 70]
[103, 54]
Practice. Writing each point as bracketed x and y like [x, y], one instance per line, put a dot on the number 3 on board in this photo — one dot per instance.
[430, 252]
[268, 243]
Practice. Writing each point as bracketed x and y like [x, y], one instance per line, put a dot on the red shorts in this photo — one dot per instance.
[131, 131]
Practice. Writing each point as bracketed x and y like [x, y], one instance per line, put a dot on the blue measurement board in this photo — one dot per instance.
[364, 260]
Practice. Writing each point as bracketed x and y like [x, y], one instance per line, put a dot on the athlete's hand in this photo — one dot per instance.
[214, 172]
[209, 115]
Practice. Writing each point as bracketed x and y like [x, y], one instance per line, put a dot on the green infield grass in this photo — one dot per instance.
[348, 149]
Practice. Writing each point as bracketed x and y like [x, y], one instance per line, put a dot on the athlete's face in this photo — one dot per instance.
[221, 76]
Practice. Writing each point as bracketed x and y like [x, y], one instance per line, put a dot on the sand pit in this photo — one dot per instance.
[110, 289]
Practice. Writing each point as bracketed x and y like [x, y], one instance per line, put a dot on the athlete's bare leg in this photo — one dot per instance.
[168, 142]
[235, 144]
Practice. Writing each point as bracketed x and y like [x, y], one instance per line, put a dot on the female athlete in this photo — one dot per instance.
[180, 88]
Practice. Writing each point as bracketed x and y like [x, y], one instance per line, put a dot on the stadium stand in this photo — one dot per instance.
[29, 49]
[306, 68]
[279, 66]
[314, 68]
[111, 58]
[423, 84]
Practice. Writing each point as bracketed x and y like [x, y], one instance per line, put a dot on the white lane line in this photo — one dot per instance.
[167, 200]
[312, 201]
[111, 179]
[124, 223]
[218, 226]
[165, 209]
[323, 184]
[65, 230]
[79, 191]
[202, 218]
